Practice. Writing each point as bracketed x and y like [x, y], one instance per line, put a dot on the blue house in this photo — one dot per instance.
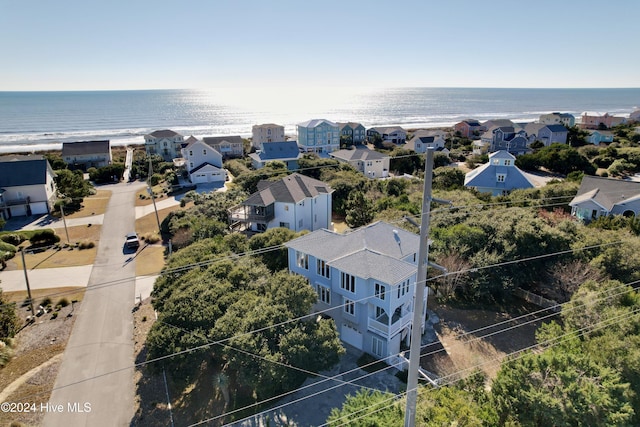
[499, 176]
[365, 281]
[597, 136]
[318, 136]
[287, 152]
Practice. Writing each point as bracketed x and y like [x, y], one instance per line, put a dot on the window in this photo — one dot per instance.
[500, 177]
[204, 152]
[507, 162]
[496, 161]
[324, 294]
[284, 224]
[379, 312]
[300, 223]
[190, 152]
[348, 282]
[323, 268]
[302, 260]
[349, 307]
[380, 291]
[403, 288]
[377, 346]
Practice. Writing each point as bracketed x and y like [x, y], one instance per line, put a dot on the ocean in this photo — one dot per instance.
[35, 121]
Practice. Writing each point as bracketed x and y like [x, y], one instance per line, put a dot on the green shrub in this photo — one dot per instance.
[44, 237]
[63, 302]
[86, 244]
[45, 302]
[54, 315]
[12, 238]
[8, 247]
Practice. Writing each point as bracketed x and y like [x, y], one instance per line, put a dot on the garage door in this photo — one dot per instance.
[351, 336]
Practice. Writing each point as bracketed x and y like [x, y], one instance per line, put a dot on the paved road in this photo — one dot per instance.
[95, 382]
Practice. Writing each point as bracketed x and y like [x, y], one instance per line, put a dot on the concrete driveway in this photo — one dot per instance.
[95, 384]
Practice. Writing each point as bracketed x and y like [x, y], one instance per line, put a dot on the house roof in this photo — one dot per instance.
[387, 129]
[212, 141]
[204, 165]
[498, 123]
[601, 132]
[471, 122]
[17, 170]
[373, 251]
[287, 150]
[352, 125]
[357, 154]
[164, 133]
[485, 176]
[557, 128]
[606, 192]
[85, 147]
[267, 125]
[290, 189]
[316, 122]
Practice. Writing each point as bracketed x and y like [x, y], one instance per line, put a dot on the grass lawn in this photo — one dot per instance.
[93, 205]
[149, 260]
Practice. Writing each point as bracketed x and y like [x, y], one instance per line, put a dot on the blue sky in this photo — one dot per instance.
[141, 44]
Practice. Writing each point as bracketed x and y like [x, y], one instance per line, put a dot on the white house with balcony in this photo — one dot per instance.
[203, 162]
[296, 202]
[365, 281]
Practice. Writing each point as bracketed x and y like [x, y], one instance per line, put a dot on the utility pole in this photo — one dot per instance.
[153, 197]
[64, 220]
[26, 278]
[418, 303]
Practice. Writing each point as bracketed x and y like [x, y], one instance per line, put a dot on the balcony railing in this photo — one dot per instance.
[384, 329]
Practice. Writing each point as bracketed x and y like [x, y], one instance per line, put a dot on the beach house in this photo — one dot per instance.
[352, 133]
[296, 202]
[370, 162]
[508, 138]
[228, 146]
[318, 136]
[469, 128]
[557, 118]
[365, 281]
[267, 132]
[499, 176]
[546, 133]
[596, 137]
[27, 186]
[387, 135]
[286, 152]
[203, 162]
[596, 120]
[165, 143]
[599, 196]
[86, 154]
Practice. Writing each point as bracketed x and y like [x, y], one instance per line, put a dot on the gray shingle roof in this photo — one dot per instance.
[606, 192]
[357, 154]
[212, 141]
[485, 176]
[279, 150]
[290, 189]
[85, 147]
[164, 133]
[373, 251]
[23, 170]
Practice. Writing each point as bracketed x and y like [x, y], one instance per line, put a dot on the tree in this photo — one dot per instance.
[359, 209]
[9, 322]
[561, 389]
[368, 409]
[273, 239]
[72, 184]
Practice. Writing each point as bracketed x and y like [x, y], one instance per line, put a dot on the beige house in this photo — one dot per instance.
[228, 146]
[267, 132]
[166, 143]
[595, 120]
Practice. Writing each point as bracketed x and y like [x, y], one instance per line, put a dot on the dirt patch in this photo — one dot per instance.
[470, 339]
[32, 371]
